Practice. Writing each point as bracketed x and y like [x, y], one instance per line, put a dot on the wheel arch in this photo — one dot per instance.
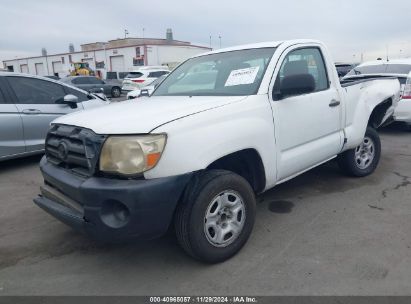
[247, 163]
[379, 112]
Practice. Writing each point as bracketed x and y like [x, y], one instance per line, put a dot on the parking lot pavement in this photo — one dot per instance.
[319, 234]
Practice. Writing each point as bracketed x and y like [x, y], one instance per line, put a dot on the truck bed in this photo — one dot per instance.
[364, 78]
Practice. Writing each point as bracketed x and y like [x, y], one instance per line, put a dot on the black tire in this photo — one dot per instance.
[349, 163]
[190, 214]
[115, 92]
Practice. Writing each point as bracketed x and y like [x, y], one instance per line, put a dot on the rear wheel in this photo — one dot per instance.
[362, 160]
[115, 92]
[216, 215]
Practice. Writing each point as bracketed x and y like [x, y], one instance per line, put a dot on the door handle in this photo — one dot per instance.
[31, 111]
[334, 103]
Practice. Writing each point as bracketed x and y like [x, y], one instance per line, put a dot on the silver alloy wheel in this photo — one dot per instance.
[365, 153]
[224, 219]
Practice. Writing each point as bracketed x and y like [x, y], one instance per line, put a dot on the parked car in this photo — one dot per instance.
[147, 90]
[142, 77]
[27, 106]
[398, 68]
[344, 68]
[94, 84]
[200, 148]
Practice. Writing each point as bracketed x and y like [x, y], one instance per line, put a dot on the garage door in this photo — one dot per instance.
[117, 63]
[40, 69]
[24, 68]
[57, 67]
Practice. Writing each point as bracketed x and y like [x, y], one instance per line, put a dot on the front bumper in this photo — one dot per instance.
[110, 209]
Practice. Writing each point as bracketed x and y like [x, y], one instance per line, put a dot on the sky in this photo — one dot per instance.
[352, 29]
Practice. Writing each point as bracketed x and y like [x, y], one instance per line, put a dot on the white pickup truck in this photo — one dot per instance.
[221, 128]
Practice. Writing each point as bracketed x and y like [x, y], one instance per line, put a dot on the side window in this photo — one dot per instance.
[157, 74]
[153, 74]
[122, 75]
[2, 99]
[80, 95]
[81, 80]
[305, 61]
[111, 75]
[95, 80]
[35, 91]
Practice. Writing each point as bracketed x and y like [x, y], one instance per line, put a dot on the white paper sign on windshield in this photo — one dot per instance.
[242, 76]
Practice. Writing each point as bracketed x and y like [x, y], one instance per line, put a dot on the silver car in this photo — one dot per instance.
[27, 106]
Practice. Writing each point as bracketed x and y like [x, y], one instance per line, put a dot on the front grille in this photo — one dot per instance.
[74, 148]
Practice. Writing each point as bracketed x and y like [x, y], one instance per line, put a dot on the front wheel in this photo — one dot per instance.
[216, 215]
[362, 160]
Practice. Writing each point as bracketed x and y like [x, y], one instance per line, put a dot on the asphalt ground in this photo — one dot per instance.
[321, 233]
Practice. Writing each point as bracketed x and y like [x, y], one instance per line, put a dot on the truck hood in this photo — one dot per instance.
[144, 115]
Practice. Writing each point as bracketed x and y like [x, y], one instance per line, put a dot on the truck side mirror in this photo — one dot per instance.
[297, 84]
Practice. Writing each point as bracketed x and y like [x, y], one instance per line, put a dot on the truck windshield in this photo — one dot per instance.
[222, 74]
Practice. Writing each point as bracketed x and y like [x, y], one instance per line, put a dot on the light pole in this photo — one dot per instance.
[387, 52]
[210, 42]
[105, 57]
[125, 33]
[219, 37]
[104, 46]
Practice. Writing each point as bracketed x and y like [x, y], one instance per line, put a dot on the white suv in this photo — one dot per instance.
[142, 77]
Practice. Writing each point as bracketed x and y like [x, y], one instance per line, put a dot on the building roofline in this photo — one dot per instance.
[113, 48]
[135, 38]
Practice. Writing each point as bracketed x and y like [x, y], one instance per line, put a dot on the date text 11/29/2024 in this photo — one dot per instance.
[204, 299]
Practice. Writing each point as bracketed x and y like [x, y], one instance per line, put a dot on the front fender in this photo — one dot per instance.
[196, 141]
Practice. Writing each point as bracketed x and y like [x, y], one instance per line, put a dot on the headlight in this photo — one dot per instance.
[130, 155]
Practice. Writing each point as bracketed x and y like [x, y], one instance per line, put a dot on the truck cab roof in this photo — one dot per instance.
[266, 44]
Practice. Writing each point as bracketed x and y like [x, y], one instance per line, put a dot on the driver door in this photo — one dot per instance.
[35, 100]
[308, 125]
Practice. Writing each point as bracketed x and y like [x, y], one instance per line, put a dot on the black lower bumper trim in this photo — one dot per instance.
[113, 209]
[68, 216]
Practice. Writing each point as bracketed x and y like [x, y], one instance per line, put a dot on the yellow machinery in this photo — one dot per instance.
[81, 68]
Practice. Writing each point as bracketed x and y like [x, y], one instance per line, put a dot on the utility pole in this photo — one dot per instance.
[105, 58]
[143, 32]
[210, 42]
[387, 53]
[219, 37]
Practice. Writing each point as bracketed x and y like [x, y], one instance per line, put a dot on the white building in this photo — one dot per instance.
[120, 55]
